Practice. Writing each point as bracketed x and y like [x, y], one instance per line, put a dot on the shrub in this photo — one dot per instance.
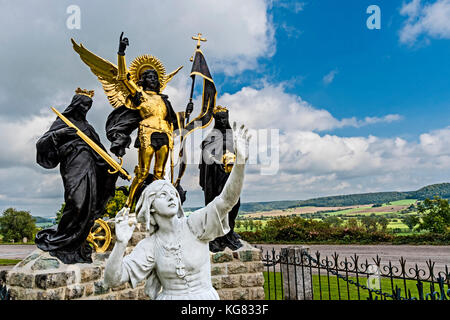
[15, 225]
[299, 230]
[296, 229]
[424, 238]
[252, 237]
[435, 215]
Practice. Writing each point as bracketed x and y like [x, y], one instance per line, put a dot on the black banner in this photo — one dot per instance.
[200, 68]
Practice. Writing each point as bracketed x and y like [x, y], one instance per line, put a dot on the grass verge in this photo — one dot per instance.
[9, 262]
[332, 288]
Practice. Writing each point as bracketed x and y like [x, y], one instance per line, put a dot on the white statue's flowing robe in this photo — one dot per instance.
[181, 268]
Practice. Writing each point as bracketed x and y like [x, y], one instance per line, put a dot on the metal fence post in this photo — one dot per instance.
[293, 267]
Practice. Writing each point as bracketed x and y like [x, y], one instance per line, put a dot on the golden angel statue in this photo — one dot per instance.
[136, 95]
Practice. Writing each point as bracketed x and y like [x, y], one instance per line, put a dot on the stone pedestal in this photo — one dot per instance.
[235, 275]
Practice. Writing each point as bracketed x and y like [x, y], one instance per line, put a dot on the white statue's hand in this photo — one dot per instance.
[241, 143]
[125, 225]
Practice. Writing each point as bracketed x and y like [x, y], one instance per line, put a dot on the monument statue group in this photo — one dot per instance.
[174, 258]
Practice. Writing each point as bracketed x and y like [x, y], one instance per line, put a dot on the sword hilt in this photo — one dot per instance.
[117, 170]
[95, 147]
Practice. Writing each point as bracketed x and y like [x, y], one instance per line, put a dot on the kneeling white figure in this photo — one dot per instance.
[174, 258]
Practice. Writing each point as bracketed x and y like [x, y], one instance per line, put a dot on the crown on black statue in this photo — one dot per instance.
[218, 109]
[89, 93]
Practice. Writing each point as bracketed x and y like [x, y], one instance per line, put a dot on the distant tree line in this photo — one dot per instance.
[433, 217]
[441, 190]
[15, 225]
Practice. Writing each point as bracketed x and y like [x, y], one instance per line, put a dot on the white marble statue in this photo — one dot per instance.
[174, 258]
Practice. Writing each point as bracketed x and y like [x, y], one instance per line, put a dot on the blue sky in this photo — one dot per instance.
[352, 110]
[375, 73]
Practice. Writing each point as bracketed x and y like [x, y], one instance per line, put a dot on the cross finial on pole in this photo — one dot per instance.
[198, 38]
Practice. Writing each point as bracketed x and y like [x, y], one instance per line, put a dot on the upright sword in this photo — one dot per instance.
[116, 166]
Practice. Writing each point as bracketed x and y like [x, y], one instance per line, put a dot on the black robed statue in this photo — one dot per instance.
[215, 166]
[87, 183]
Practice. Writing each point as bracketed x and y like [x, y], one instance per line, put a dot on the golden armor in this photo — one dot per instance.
[125, 87]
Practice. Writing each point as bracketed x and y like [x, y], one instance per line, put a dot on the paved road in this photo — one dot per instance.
[17, 251]
[419, 255]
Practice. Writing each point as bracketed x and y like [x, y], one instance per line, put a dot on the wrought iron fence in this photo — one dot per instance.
[4, 291]
[293, 273]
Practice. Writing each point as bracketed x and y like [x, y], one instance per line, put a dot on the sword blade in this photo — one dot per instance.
[93, 145]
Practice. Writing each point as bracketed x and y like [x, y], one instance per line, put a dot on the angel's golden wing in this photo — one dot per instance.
[168, 77]
[106, 73]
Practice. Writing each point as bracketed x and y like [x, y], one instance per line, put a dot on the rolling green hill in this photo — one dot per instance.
[42, 220]
[442, 190]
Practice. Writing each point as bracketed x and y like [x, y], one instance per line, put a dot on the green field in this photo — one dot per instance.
[242, 228]
[337, 289]
[390, 210]
[9, 262]
[343, 212]
[44, 225]
[405, 202]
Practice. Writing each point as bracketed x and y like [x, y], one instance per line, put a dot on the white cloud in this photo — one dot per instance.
[20, 139]
[272, 107]
[387, 118]
[411, 9]
[291, 31]
[329, 77]
[294, 6]
[432, 20]
[436, 143]
[303, 152]
[313, 165]
[239, 34]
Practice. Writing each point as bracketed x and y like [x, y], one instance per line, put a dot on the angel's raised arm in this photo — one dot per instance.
[107, 73]
[122, 66]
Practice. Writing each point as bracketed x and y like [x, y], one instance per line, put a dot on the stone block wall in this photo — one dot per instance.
[43, 277]
[235, 275]
[238, 275]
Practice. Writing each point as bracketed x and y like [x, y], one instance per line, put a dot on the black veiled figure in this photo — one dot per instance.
[87, 184]
[213, 175]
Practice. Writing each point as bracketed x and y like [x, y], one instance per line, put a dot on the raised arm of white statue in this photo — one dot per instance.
[124, 230]
[233, 187]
